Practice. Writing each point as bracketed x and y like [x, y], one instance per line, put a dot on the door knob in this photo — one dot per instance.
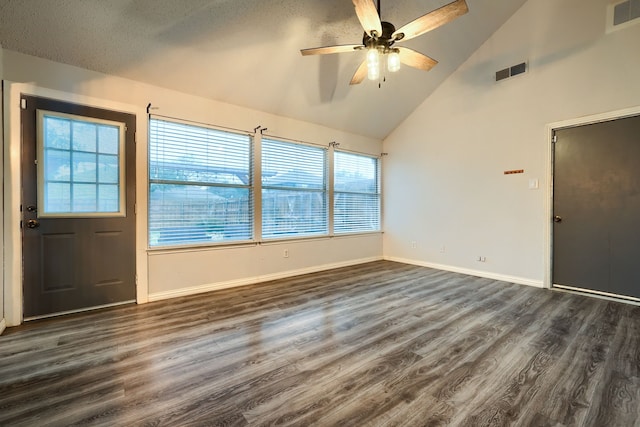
[557, 218]
[33, 223]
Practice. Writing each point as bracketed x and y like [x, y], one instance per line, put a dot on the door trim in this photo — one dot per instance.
[12, 193]
[548, 200]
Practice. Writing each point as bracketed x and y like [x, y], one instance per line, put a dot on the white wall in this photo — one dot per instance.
[180, 272]
[216, 269]
[443, 178]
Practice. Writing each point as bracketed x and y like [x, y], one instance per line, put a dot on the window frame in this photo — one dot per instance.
[249, 187]
[323, 191]
[377, 193]
[42, 164]
[256, 189]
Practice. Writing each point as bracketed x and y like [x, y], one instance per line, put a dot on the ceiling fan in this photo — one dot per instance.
[380, 37]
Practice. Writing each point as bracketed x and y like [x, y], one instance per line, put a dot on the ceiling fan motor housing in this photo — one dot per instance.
[383, 41]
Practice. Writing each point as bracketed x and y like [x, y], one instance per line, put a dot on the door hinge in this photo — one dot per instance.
[555, 139]
[136, 279]
[23, 103]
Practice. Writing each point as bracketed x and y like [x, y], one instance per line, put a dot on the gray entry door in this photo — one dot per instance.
[596, 207]
[78, 195]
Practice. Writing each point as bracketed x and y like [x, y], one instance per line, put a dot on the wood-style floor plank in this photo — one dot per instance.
[378, 344]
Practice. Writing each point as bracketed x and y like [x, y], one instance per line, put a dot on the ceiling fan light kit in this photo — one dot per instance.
[380, 44]
[393, 61]
[373, 64]
[380, 36]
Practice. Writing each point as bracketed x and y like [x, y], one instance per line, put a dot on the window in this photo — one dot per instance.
[201, 188]
[294, 195]
[81, 168]
[356, 193]
[200, 185]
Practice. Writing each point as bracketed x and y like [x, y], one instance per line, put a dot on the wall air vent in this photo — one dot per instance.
[620, 14]
[511, 71]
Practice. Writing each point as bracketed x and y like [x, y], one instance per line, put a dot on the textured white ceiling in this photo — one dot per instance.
[247, 52]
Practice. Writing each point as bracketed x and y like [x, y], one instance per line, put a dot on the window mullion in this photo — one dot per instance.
[330, 187]
[257, 187]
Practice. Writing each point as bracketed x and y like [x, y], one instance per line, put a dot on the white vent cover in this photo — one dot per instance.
[622, 14]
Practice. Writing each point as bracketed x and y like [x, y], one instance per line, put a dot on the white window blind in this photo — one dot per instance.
[294, 193]
[199, 185]
[356, 193]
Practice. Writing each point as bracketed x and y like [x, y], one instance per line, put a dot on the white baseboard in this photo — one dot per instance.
[3, 326]
[470, 272]
[253, 280]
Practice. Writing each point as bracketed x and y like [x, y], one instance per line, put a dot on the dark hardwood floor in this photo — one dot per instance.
[380, 344]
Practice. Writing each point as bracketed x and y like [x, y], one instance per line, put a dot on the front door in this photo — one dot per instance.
[78, 195]
[596, 207]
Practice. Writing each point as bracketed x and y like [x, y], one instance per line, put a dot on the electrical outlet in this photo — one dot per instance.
[414, 244]
[285, 254]
[481, 259]
[443, 249]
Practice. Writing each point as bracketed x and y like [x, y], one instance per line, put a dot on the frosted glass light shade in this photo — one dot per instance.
[373, 64]
[393, 62]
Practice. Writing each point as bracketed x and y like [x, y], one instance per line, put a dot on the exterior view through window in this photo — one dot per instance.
[81, 169]
[199, 185]
[356, 193]
[202, 190]
[294, 193]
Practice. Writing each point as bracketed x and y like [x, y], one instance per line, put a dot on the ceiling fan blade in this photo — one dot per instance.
[331, 49]
[432, 20]
[368, 16]
[360, 74]
[416, 59]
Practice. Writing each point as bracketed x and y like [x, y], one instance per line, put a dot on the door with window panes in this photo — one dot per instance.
[78, 222]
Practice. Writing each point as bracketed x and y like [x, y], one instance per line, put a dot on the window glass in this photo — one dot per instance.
[294, 195]
[199, 185]
[356, 193]
[84, 136]
[70, 166]
[107, 140]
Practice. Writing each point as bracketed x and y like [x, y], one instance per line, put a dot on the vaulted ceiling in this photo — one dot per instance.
[247, 52]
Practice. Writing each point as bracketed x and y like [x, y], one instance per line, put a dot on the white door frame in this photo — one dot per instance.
[12, 274]
[551, 127]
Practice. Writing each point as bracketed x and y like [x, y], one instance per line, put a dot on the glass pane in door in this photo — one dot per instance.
[80, 166]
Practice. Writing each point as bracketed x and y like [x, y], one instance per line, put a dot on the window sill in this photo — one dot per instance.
[269, 242]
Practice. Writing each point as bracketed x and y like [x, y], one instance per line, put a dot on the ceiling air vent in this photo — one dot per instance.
[511, 71]
[623, 14]
[626, 11]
